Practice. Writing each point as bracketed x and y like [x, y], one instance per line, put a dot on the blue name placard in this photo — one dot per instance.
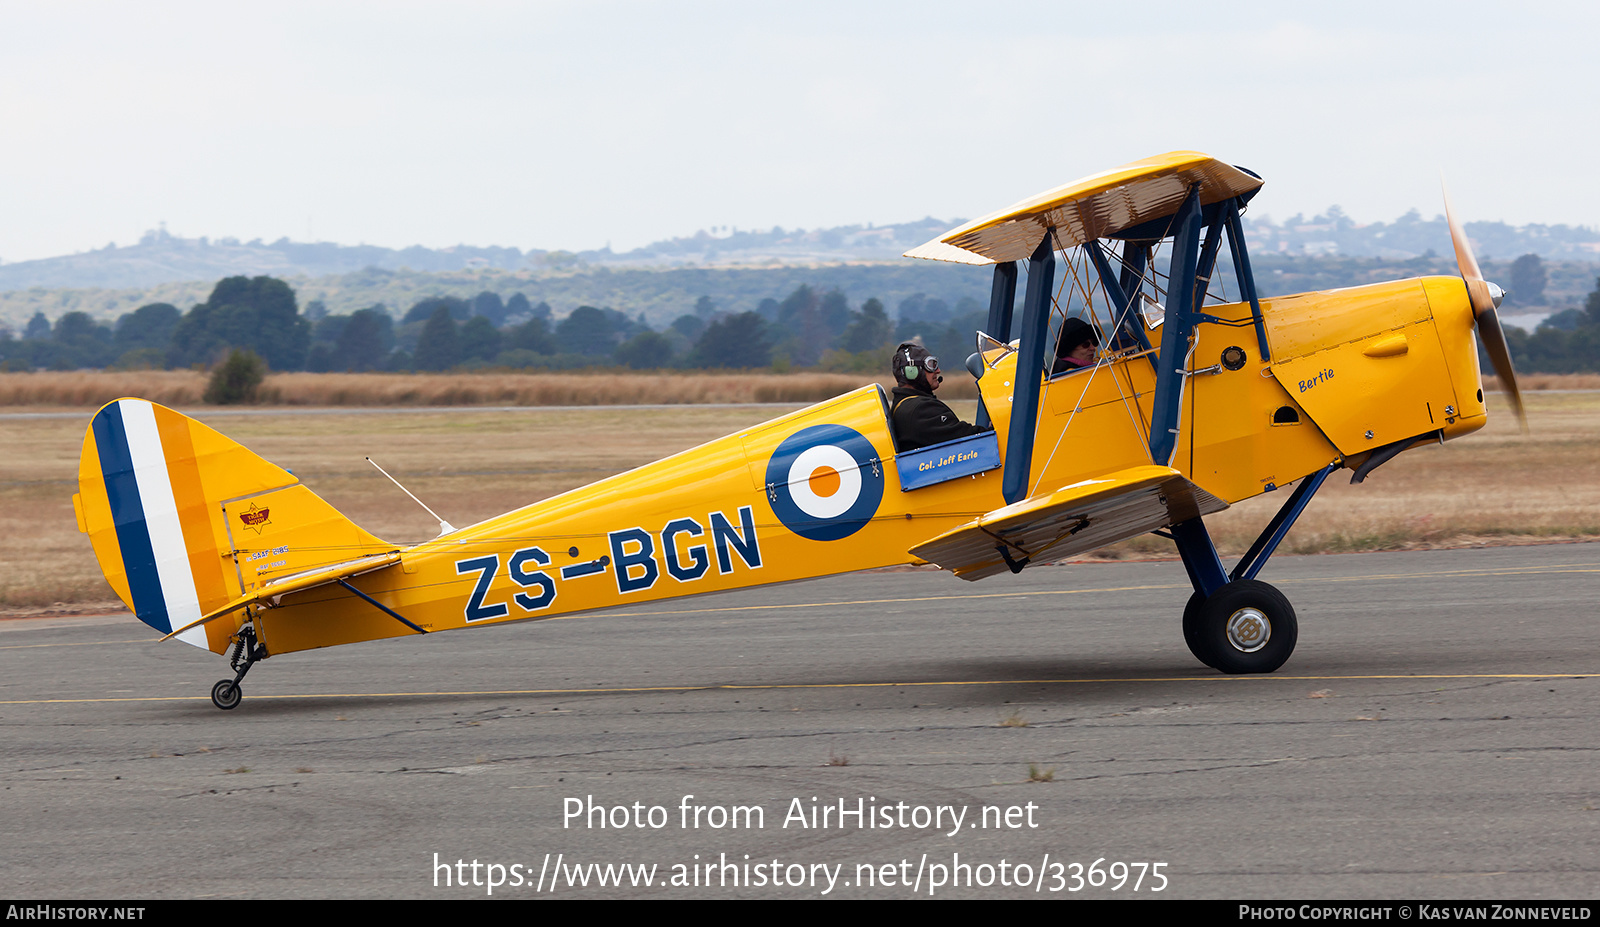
[940, 462]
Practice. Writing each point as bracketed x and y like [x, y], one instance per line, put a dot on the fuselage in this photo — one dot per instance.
[818, 491]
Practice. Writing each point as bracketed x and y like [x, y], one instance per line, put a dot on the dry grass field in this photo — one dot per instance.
[93, 388]
[1493, 487]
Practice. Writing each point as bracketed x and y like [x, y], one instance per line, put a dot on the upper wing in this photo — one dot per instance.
[1070, 520]
[1098, 206]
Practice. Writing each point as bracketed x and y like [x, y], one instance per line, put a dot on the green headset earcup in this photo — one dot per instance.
[911, 371]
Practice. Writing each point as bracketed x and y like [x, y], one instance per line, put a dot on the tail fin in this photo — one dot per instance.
[183, 519]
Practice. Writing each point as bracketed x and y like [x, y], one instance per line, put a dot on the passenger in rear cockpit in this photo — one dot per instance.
[1075, 346]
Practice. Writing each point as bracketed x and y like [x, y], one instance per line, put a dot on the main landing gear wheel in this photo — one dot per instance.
[226, 694]
[1246, 626]
[1191, 627]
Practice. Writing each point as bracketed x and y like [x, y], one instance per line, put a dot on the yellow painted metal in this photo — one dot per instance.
[1454, 321]
[1093, 419]
[1306, 323]
[1388, 346]
[718, 480]
[289, 531]
[1234, 444]
[1359, 389]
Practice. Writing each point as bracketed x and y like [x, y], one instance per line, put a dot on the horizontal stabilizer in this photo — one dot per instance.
[1073, 519]
[278, 588]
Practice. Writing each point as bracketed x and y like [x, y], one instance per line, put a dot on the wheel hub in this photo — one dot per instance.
[1249, 630]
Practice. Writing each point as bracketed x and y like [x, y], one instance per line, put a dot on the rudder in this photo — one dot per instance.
[183, 519]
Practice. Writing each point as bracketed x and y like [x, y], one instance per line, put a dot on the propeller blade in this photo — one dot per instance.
[1478, 292]
[1484, 298]
[1494, 343]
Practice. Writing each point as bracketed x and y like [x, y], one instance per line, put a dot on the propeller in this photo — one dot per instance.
[1485, 298]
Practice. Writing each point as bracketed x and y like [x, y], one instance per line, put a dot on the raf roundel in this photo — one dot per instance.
[825, 482]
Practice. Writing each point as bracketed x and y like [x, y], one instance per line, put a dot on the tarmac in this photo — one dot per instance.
[1432, 737]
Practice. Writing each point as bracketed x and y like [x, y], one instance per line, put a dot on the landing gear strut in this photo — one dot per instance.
[226, 694]
[1234, 622]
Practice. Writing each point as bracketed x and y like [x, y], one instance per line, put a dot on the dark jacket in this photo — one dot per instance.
[921, 420]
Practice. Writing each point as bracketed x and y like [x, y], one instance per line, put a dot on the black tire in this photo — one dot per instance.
[225, 695]
[1191, 628]
[1247, 626]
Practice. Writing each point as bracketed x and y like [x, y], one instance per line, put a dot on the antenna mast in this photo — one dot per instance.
[444, 526]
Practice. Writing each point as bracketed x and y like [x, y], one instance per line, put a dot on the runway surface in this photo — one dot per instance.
[1434, 736]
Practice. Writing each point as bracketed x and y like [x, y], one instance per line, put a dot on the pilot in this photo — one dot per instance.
[919, 418]
[1075, 346]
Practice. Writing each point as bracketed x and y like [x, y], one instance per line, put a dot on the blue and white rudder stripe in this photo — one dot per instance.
[145, 513]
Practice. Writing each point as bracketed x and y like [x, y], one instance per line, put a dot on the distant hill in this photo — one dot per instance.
[663, 294]
[1410, 236]
[736, 269]
[660, 295]
[160, 258]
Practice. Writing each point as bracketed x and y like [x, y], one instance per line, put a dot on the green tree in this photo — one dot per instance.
[258, 313]
[834, 314]
[321, 359]
[738, 341]
[38, 328]
[489, 305]
[365, 340]
[532, 335]
[148, 326]
[480, 340]
[81, 343]
[460, 309]
[869, 329]
[326, 329]
[236, 379]
[440, 345]
[587, 331]
[1527, 281]
[689, 326]
[646, 351]
[799, 329]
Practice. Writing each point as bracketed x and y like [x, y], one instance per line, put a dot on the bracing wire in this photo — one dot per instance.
[1117, 321]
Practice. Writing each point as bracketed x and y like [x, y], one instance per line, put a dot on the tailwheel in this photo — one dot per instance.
[226, 694]
[1246, 626]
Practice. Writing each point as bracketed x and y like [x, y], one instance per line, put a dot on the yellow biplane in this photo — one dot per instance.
[1202, 394]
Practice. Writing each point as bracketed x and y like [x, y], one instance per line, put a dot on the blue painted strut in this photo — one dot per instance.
[1246, 276]
[1121, 296]
[1179, 324]
[1256, 557]
[1200, 555]
[1030, 370]
[1002, 296]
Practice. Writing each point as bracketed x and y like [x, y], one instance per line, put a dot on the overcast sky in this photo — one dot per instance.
[571, 125]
